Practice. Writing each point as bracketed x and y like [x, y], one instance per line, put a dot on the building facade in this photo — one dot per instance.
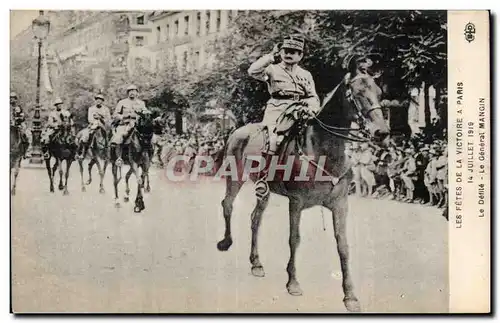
[180, 38]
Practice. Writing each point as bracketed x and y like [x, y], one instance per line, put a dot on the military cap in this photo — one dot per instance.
[58, 101]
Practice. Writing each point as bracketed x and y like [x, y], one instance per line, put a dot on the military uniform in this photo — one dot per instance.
[125, 116]
[18, 118]
[57, 118]
[286, 87]
[287, 83]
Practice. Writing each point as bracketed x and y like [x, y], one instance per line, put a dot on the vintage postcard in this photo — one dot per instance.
[243, 161]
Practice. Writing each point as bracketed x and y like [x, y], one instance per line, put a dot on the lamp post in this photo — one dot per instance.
[41, 28]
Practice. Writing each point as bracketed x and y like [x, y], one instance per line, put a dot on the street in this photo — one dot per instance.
[79, 253]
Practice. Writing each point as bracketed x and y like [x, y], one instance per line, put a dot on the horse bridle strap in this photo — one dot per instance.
[333, 179]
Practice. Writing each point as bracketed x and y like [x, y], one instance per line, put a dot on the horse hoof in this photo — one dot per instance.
[102, 191]
[88, 182]
[66, 193]
[147, 190]
[294, 289]
[118, 205]
[352, 305]
[61, 187]
[84, 189]
[258, 271]
[224, 244]
[125, 199]
[138, 209]
[52, 190]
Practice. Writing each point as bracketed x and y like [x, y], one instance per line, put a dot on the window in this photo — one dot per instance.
[176, 27]
[207, 23]
[140, 20]
[196, 60]
[139, 41]
[218, 20]
[167, 32]
[186, 25]
[198, 24]
[158, 34]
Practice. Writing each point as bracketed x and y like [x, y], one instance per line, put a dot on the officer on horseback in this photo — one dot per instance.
[57, 118]
[125, 117]
[99, 117]
[19, 119]
[288, 84]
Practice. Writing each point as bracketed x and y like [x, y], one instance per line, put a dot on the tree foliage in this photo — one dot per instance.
[407, 46]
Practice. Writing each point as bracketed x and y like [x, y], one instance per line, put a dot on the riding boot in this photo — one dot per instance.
[261, 185]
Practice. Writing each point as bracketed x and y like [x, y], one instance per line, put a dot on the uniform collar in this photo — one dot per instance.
[284, 66]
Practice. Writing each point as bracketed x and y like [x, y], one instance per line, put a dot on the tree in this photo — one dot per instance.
[407, 45]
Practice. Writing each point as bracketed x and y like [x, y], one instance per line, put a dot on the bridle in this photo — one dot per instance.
[361, 116]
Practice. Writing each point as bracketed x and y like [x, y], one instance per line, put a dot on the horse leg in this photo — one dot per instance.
[80, 163]
[339, 208]
[295, 211]
[116, 180]
[91, 164]
[127, 188]
[158, 152]
[61, 186]
[102, 173]
[17, 165]
[68, 167]
[135, 170]
[139, 200]
[232, 190]
[50, 172]
[257, 269]
[145, 175]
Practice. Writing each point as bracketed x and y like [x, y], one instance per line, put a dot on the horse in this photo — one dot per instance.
[98, 150]
[356, 98]
[18, 148]
[136, 152]
[63, 148]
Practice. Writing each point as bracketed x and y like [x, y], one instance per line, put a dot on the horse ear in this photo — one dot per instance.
[347, 78]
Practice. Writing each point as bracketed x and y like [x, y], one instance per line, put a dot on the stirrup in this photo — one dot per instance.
[261, 189]
[46, 155]
[119, 162]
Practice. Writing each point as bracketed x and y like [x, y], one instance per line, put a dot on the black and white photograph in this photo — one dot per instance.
[232, 161]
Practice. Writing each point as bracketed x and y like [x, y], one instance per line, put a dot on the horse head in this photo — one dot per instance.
[359, 98]
[144, 125]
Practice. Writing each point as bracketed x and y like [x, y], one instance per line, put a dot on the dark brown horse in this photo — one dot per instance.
[18, 147]
[98, 151]
[63, 148]
[356, 98]
[136, 152]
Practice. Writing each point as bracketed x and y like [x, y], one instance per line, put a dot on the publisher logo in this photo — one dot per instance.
[469, 32]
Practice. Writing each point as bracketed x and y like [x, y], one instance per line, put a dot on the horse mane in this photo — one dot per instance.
[333, 105]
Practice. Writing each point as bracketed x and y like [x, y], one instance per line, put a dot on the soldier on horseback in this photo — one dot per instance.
[57, 118]
[99, 118]
[124, 119]
[19, 119]
[288, 84]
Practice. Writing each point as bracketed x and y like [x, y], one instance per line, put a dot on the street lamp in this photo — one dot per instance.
[41, 28]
